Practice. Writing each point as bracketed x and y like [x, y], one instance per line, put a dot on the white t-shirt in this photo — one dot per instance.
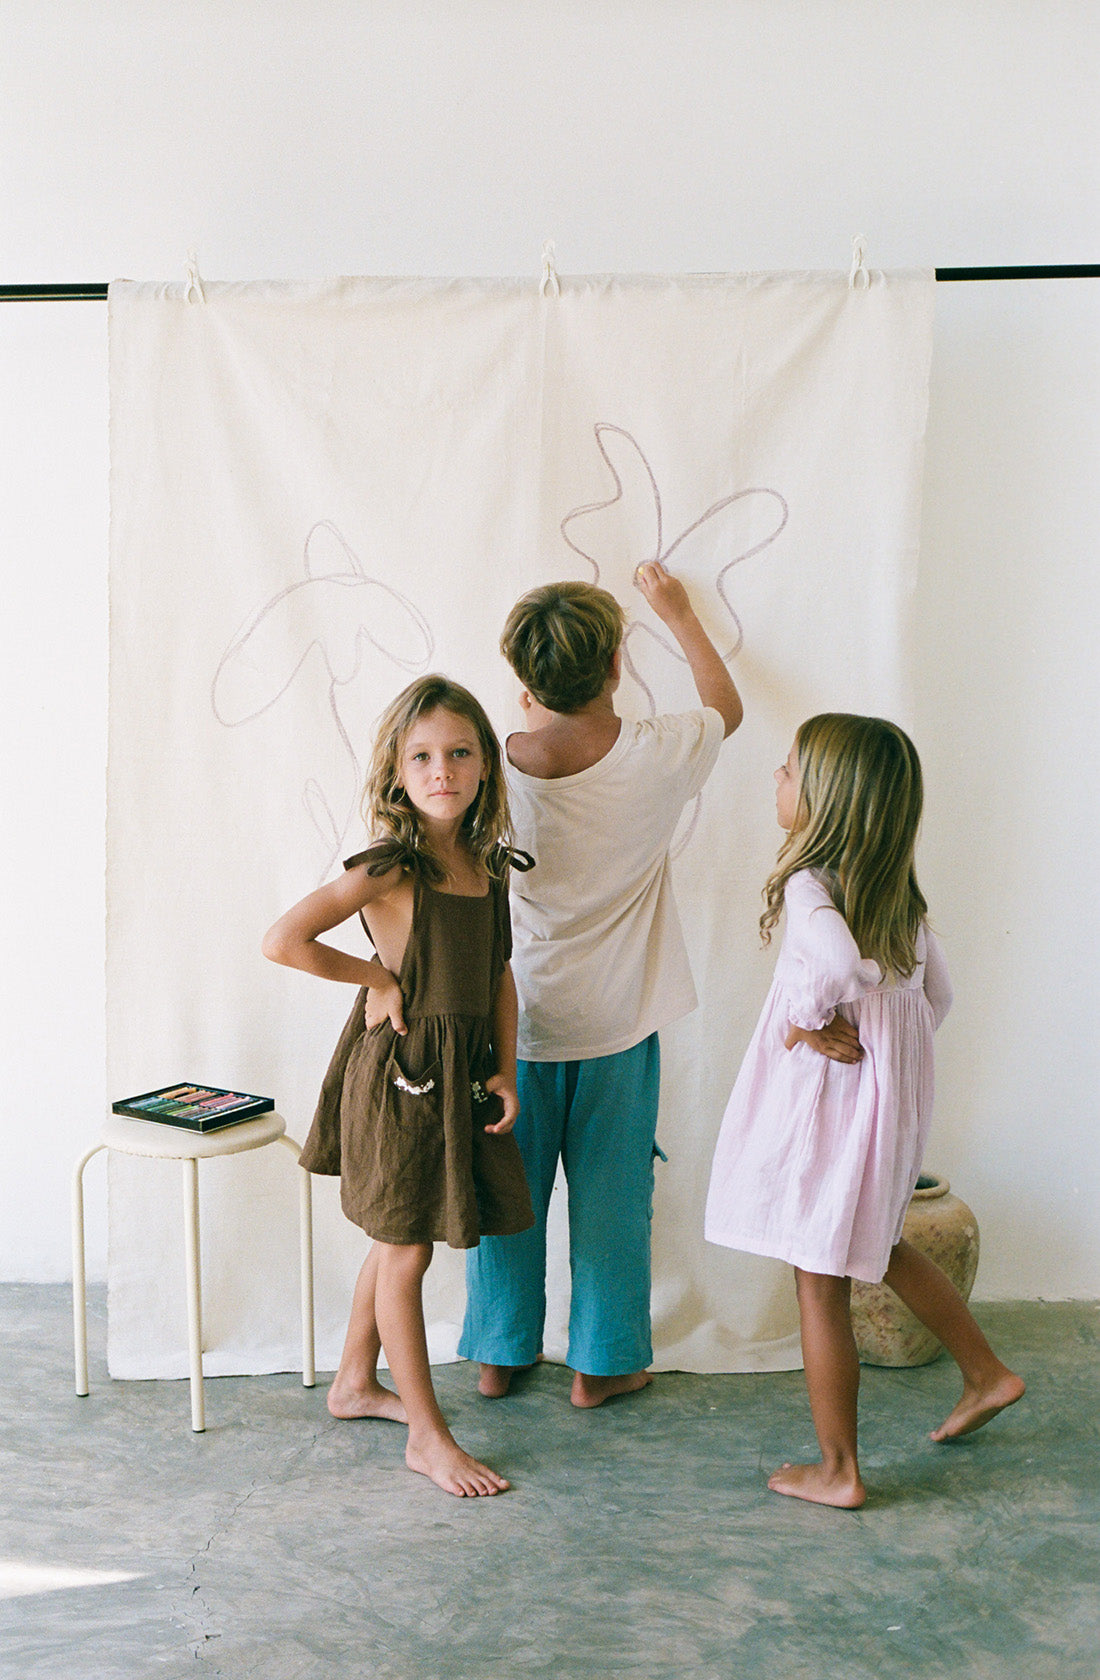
[599, 956]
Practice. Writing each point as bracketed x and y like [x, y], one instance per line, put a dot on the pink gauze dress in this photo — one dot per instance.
[816, 1160]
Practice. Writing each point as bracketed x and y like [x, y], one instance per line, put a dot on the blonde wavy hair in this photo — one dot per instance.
[859, 807]
[393, 820]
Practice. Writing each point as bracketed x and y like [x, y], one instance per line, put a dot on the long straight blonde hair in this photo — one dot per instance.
[859, 807]
[390, 815]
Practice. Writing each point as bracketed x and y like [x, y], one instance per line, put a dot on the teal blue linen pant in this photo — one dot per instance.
[600, 1117]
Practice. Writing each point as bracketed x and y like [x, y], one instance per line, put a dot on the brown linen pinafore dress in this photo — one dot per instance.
[401, 1118]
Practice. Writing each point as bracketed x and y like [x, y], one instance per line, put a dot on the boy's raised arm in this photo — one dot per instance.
[669, 600]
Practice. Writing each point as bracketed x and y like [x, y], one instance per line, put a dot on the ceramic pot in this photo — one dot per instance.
[943, 1227]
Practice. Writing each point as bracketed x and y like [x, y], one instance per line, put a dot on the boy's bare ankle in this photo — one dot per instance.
[590, 1391]
[495, 1380]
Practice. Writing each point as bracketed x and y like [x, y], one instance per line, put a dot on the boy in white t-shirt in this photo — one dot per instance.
[600, 966]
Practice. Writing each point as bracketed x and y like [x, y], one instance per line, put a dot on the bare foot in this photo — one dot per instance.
[819, 1486]
[978, 1405]
[372, 1400]
[442, 1460]
[494, 1381]
[593, 1391]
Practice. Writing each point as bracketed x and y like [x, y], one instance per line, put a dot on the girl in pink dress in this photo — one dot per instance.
[822, 1139]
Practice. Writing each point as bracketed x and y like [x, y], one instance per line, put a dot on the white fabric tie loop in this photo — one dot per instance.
[550, 285]
[859, 275]
[193, 291]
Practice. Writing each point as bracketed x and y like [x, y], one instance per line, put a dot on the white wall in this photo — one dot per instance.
[309, 137]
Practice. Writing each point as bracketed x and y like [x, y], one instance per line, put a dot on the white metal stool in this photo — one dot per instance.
[147, 1137]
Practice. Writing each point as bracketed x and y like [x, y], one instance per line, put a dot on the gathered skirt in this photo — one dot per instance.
[816, 1160]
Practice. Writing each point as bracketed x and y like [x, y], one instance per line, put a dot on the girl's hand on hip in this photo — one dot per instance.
[385, 1003]
[505, 1089]
[839, 1040]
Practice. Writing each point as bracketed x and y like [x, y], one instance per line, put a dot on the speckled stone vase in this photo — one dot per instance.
[943, 1227]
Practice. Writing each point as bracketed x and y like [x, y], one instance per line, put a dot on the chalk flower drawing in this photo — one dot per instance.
[345, 615]
[626, 530]
[342, 617]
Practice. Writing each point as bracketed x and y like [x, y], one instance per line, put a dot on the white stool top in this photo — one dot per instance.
[175, 1143]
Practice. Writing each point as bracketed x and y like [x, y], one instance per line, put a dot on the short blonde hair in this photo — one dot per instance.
[560, 641]
[391, 816]
[859, 808]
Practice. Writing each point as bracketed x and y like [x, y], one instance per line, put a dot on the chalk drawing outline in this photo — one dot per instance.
[662, 552]
[341, 675]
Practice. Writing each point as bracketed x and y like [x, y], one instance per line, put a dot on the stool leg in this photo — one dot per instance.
[194, 1290]
[80, 1298]
[305, 1225]
[305, 1244]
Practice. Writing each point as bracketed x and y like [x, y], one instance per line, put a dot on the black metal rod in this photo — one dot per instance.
[1062, 271]
[96, 290]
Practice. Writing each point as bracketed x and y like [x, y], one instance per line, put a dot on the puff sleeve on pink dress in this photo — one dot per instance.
[816, 1160]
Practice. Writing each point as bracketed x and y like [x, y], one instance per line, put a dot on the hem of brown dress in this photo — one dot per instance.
[437, 1236]
[320, 1170]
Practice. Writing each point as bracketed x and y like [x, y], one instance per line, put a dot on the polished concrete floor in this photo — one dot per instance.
[638, 1541]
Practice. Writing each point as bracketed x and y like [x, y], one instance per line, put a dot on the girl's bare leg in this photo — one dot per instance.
[832, 1377]
[988, 1385]
[432, 1449]
[356, 1391]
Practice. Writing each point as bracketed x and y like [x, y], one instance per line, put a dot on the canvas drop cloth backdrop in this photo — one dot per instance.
[320, 491]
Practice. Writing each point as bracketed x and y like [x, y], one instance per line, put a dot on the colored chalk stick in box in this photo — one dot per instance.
[197, 1108]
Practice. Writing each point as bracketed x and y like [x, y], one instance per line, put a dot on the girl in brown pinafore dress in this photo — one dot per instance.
[418, 1105]
[401, 1118]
